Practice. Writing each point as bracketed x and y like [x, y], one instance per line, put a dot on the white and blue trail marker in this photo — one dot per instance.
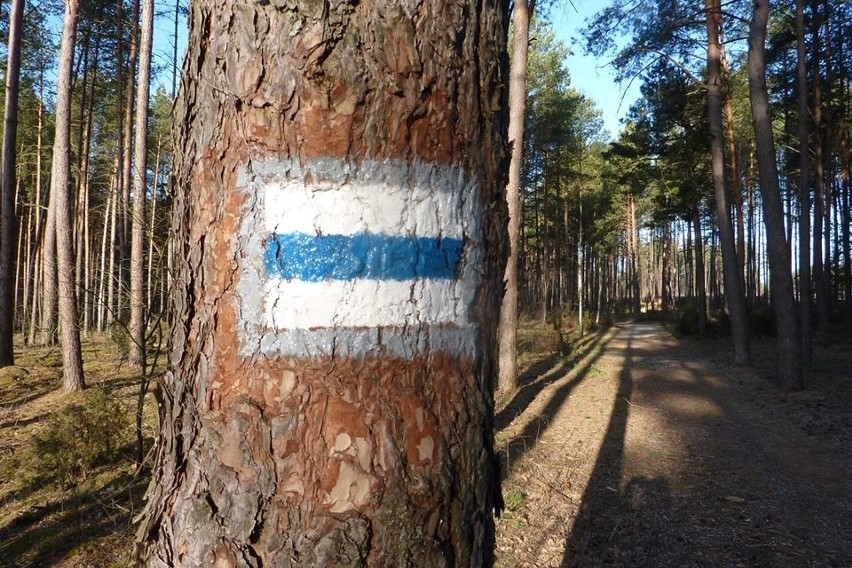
[383, 259]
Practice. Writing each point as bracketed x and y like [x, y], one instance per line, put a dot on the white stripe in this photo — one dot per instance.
[360, 317]
[365, 207]
[296, 304]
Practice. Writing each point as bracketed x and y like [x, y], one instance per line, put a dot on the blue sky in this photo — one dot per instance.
[590, 75]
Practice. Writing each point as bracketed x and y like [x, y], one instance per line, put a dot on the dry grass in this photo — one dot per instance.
[59, 505]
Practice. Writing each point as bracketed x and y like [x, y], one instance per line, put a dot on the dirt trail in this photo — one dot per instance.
[653, 451]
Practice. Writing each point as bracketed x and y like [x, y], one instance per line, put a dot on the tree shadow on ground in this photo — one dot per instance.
[43, 535]
[596, 526]
[536, 378]
[513, 448]
[748, 489]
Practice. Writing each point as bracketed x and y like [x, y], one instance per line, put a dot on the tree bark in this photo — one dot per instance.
[300, 428]
[819, 276]
[8, 216]
[804, 190]
[730, 264]
[781, 280]
[700, 277]
[72, 361]
[137, 243]
[508, 331]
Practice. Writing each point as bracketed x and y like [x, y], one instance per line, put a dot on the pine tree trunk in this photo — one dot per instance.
[781, 280]
[804, 190]
[508, 330]
[72, 361]
[101, 299]
[47, 324]
[37, 249]
[701, 289]
[820, 278]
[152, 216]
[335, 410]
[137, 244]
[734, 296]
[8, 215]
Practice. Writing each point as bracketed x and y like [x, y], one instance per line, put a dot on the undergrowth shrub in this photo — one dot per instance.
[120, 338]
[88, 433]
[687, 321]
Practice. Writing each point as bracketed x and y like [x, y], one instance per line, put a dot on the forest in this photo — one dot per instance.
[620, 348]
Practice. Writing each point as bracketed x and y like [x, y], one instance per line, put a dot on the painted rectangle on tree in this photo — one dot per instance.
[382, 257]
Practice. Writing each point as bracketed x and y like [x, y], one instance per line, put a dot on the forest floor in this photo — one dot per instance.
[69, 485]
[637, 449]
[645, 450]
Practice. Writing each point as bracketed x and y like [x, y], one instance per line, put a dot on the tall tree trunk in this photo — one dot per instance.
[152, 217]
[72, 361]
[38, 246]
[701, 289]
[804, 190]
[334, 412]
[828, 141]
[820, 278]
[633, 240]
[137, 245]
[8, 215]
[508, 330]
[580, 286]
[730, 264]
[781, 280]
[101, 304]
[49, 258]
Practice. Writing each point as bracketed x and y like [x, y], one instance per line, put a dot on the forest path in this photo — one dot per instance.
[648, 450]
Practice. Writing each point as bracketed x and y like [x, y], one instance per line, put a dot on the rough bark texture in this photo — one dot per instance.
[8, 216]
[508, 333]
[730, 264]
[69, 328]
[339, 459]
[780, 277]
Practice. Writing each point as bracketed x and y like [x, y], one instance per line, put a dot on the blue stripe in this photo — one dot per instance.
[312, 258]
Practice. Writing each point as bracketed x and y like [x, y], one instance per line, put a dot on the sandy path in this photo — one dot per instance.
[650, 451]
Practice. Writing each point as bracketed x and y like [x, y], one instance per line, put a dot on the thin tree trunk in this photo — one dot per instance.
[701, 290]
[38, 245]
[72, 361]
[820, 278]
[25, 237]
[137, 246]
[114, 249]
[829, 168]
[152, 216]
[804, 190]
[786, 318]
[580, 295]
[123, 281]
[102, 286]
[733, 163]
[8, 215]
[635, 286]
[508, 330]
[49, 253]
[358, 436]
